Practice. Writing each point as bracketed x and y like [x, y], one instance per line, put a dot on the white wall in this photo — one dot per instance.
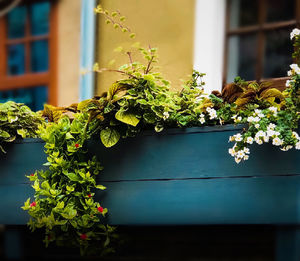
[209, 41]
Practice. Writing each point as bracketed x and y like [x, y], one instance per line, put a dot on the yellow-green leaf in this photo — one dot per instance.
[109, 137]
[127, 117]
[100, 187]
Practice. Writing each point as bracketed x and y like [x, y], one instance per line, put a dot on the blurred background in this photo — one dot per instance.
[48, 47]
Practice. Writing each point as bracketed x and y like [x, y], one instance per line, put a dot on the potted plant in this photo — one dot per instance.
[179, 176]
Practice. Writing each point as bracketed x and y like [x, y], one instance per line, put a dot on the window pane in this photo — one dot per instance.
[34, 97]
[278, 52]
[16, 59]
[243, 13]
[241, 57]
[16, 22]
[280, 10]
[39, 56]
[39, 18]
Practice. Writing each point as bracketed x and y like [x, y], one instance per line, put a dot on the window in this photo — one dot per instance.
[258, 45]
[28, 54]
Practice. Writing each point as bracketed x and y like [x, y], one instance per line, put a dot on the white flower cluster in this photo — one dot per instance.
[212, 113]
[240, 154]
[202, 118]
[294, 69]
[166, 115]
[294, 33]
[236, 118]
[260, 138]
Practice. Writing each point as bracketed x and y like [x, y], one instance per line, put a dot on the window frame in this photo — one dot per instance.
[261, 28]
[29, 80]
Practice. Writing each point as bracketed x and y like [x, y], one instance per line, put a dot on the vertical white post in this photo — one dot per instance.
[209, 41]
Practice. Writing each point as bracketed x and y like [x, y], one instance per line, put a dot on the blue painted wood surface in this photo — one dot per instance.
[190, 153]
[179, 177]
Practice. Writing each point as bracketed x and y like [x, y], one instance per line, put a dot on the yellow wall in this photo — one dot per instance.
[68, 51]
[166, 24]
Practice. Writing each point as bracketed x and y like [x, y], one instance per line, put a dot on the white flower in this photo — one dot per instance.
[232, 152]
[246, 150]
[271, 133]
[237, 160]
[273, 109]
[208, 109]
[212, 114]
[277, 141]
[250, 119]
[266, 139]
[258, 141]
[294, 33]
[202, 120]
[253, 119]
[290, 73]
[257, 126]
[288, 83]
[238, 137]
[257, 111]
[249, 140]
[236, 118]
[271, 126]
[295, 68]
[240, 154]
[295, 135]
[166, 115]
[231, 138]
[246, 157]
[286, 148]
[297, 146]
[261, 115]
[260, 134]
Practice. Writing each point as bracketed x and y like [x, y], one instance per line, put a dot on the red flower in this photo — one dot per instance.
[89, 195]
[83, 236]
[76, 145]
[100, 209]
[31, 174]
[33, 204]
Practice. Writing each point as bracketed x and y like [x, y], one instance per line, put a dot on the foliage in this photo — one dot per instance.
[65, 194]
[17, 121]
[65, 203]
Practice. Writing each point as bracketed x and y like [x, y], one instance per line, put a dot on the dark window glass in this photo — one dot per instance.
[243, 13]
[16, 22]
[242, 57]
[280, 10]
[39, 18]
[39, 56]
[278, 51]
[34, 97]
[16, 59]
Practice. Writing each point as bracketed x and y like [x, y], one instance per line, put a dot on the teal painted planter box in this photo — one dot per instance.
[178, 177]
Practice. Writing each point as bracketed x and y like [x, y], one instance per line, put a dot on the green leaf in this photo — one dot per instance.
[4, 134]
[100, 187]
[109, 137]
[69, 213]
[72, 176]
[127, 117]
